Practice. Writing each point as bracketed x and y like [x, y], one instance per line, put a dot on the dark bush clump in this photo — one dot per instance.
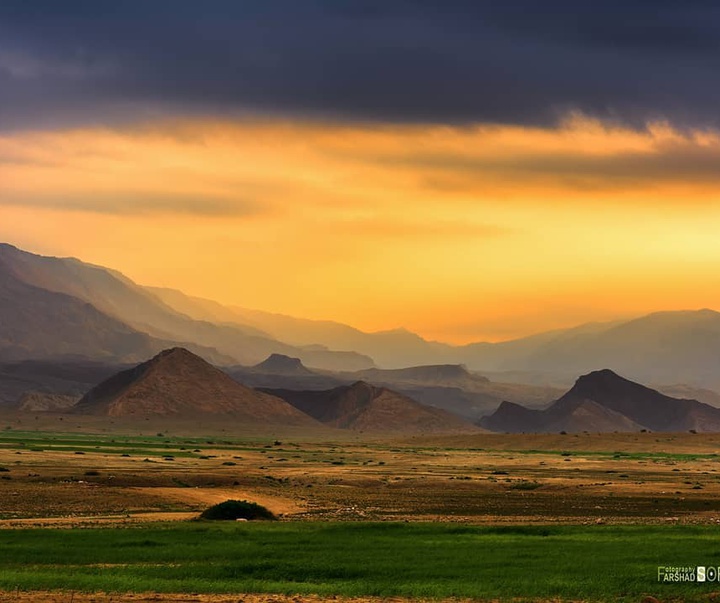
[237, 509]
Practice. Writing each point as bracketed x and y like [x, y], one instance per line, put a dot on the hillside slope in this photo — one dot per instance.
[179, 383]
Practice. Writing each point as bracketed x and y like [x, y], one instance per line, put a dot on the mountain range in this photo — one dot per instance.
[177, 384]
[51, 307]
[65, 310]
[675, 349]
[603, 401]
[448, 387]
[364, 407]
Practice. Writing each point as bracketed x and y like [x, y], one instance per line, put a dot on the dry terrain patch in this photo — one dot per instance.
[61, 479]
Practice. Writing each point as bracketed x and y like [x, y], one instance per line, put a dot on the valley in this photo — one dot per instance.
[425, 461]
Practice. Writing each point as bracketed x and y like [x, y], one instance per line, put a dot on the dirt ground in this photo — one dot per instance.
[585, 478]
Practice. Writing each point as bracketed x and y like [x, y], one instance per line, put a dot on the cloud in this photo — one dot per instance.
[134, 203]
[454, 62]
[582, 155]
[401, 182]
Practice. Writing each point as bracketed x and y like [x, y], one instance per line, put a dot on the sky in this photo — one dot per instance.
[471, 171]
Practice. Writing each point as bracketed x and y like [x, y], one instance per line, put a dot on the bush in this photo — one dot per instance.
[237, 509]
[525, 485]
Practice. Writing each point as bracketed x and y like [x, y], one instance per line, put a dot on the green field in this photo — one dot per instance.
[385, 559]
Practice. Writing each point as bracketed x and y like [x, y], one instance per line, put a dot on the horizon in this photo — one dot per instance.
[421, 185]
[620, 320]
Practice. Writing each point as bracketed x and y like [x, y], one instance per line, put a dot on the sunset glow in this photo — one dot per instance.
[458, 233]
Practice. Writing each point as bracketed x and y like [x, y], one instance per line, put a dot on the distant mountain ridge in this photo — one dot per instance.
[131, 322]
[447, 387]
[37, 323]
[141, 315]
[604, 401]
[392, 348]
[663, 348]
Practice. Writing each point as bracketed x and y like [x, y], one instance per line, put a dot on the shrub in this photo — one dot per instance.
[525, 485]
[237, 509]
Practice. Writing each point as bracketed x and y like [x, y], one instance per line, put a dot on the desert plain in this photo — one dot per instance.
[619, 492]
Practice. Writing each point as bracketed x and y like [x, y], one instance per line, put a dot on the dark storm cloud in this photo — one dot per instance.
[518, 61]
[683, 161]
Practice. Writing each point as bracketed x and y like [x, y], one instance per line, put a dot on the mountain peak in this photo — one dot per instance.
[181, 360]
[279, 364]
[365, 388]
[603, 380]
[176, 352]
[364, 407]
[176, 382]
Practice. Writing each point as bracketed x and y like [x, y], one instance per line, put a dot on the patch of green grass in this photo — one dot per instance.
[592, 563]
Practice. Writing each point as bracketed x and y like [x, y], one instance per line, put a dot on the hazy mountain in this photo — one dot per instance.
[181, 384]
[682, 390]
[117, 296]
[33, 401]
[681, 347]
[604, 401]
[278, 364]
[71, 378]
[455, 389]
[363, 407]
[35, 323]
[202, 309]
[448, 387]
[454, 375]
[508, 356]
[394, 348]
[663, 347]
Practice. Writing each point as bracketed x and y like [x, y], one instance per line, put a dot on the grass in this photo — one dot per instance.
[594, 563]
[179, 446]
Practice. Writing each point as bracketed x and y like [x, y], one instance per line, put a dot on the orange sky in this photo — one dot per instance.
[459, 234]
